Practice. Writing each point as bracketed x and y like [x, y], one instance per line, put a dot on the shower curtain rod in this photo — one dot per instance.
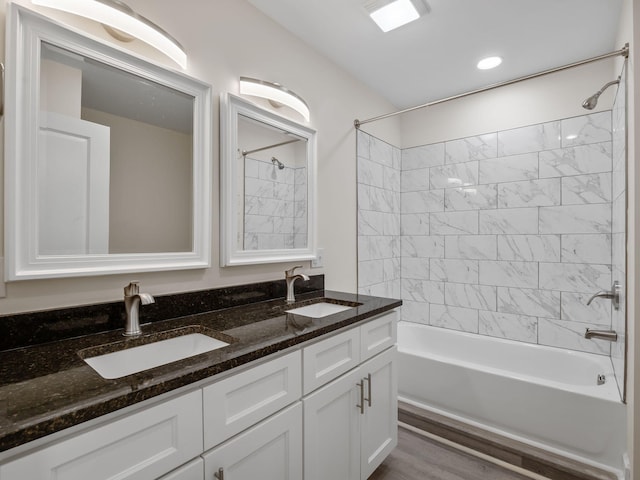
[247, 152]
[624, 51]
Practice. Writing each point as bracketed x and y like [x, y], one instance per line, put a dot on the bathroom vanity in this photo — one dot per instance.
[288, 387]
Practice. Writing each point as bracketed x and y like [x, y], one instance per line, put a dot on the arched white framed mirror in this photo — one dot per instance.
[267, 186]
[107, 157]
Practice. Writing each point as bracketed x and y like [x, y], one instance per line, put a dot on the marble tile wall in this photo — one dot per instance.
[378, 180]
[505, 234]
[274, 206]
[618, 233]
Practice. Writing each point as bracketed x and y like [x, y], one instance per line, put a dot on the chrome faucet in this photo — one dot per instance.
[613, 295]
[290, 279]
[132, 300]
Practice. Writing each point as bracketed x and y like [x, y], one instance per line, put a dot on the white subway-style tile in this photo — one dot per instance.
[414, 224]
[425, 291]
[594, 158]
[454, 175]
[477, 197]
[529, 248]
[380, 152]
[595, 218]
[471, 148]
[454, 223]
[422, 246]
[586, 129]
[534, 138]
[508, 274]
[509, 169]
[527, 301]
[414, 180]
[506, 325]
[370, 173]
[423, 157]
[532, 193]
[466, 295]
[471, 247]
[422, 201]
[454, 318]
[582, 189]
[509, 221]
[416, 268]
[586, 248]
[448, 270]
[575, 277]
[415, 312]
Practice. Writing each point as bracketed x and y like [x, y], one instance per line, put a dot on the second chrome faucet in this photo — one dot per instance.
[290, 277]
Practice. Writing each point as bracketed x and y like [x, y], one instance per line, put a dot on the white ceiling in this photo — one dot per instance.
[435, 56]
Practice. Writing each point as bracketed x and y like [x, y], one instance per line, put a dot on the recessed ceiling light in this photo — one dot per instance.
[489, 62]
[394, 14]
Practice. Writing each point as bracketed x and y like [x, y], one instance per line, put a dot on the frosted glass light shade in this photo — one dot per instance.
[394, 15]
[276, 93]
[117, 15]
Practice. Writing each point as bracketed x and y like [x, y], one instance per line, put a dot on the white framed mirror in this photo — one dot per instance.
[107, 157]
[267, 186]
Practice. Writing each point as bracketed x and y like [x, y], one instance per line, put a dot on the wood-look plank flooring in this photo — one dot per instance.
[419, 458]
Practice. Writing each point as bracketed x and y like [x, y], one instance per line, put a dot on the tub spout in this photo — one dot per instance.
[610, 335]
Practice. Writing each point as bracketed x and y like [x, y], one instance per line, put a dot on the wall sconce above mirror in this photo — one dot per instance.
[123, 23]
[268, 186]
[107, 158]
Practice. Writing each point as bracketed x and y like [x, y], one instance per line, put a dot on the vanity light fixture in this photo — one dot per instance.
[391, 14]
[275, 93]
[119, 16]
[489, 62]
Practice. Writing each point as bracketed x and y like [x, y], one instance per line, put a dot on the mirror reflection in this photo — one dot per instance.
[115, 160]
[272, 187]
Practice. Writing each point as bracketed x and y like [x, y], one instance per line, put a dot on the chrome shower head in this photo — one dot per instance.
[275, 161]
[591, 102]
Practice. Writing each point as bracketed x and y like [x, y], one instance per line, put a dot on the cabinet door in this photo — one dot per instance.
[272, 450]
[191, 471]
[140, 446]
[380, 423]
[332, 430]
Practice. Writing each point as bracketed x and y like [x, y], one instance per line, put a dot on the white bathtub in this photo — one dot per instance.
[543, 396]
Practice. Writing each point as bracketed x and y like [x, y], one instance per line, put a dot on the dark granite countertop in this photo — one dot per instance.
[47, 387]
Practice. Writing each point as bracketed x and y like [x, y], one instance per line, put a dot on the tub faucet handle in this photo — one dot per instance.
[613, 295]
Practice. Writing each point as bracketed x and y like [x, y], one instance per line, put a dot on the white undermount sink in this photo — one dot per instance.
[133, 360]
[319, 310]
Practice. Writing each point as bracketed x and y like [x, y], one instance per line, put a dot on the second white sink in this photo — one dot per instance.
[319, 310]
[133, 360]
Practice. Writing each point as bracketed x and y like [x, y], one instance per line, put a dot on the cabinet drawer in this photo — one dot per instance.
[330, 358]
[271, 450]
[237, 402]
[378, 335]
[143, 445]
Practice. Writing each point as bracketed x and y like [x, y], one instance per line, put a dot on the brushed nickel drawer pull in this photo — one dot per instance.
[219, 474]
[361, 405]
[368, 379]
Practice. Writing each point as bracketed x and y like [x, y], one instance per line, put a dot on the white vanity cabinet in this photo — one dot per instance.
[326, 410]
[350, 424]
[143, 445]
